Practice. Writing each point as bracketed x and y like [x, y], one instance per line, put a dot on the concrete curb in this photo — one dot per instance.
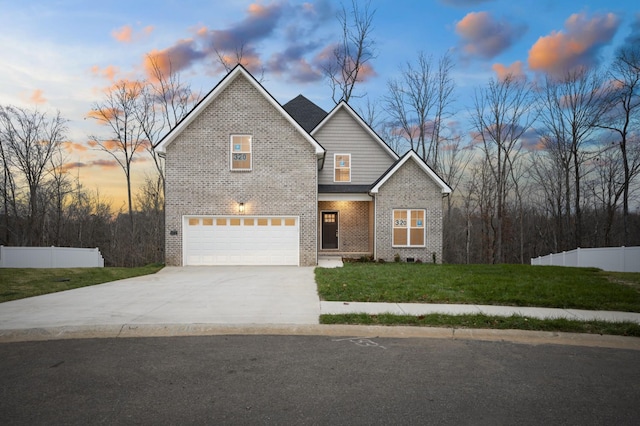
[183, 330]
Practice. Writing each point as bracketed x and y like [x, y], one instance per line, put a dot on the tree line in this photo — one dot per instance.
[540, 167]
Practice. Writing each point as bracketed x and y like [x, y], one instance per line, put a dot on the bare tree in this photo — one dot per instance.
[119, 111]
[355, 49]
[624, 119]
[503, 113]
[164, 101]
[571, 109]
[419, 103]
[33, 139]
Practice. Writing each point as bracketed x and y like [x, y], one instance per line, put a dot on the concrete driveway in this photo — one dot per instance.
[229, 295]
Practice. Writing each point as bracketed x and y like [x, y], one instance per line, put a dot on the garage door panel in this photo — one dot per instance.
[241, 240]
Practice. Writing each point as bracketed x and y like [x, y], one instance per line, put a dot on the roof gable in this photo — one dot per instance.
[343, 106]
[398, 165]
[237, 72]
[305, 112]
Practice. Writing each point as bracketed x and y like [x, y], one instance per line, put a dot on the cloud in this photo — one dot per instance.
[126, 34]
[36, 97]
[105, 164]
[73, 165]
[123, 34]
[485, 37]
[463, 3]
[634, 37]
[515, 70]
[71, 147]
[577, 47]
[173, 59]
[241, 41]
[108, 73]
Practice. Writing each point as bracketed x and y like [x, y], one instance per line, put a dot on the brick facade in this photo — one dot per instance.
[283, 179]
[409, 188]
[354, 231]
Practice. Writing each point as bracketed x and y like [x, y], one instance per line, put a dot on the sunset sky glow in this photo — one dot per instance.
[62, 55]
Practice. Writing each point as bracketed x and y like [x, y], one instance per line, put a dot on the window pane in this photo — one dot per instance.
[343, 161]
[399, 237]
[417, 237]
[234, 222]
[289, 222]
[248, 222]
[194, 221]
[399, 218]
[241, 160]
[207, 221]
[263, 222]
[221, 222]
[342, 175]
[276, 222]
[417, 218]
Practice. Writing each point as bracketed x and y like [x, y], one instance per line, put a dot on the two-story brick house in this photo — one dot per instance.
[253, 182]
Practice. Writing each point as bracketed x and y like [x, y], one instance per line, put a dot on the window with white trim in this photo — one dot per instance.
[409, 228]
[342, 167]
[241, 152]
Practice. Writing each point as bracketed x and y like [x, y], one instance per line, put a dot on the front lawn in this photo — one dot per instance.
[18, 283]
[509, 285]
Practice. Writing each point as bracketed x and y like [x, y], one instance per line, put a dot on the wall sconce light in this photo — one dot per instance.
[241, 207]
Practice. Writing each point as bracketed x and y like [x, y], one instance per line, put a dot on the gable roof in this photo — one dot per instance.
[411, 154]
[236, 72]
[345, 106]
[305, 112]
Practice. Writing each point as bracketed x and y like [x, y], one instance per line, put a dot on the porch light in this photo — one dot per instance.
[241, 207]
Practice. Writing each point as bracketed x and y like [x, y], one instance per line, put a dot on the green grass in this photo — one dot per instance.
[509, 285]
[514, 322]
[18, 283]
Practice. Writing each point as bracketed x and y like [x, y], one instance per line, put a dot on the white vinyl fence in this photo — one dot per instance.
[618, 259]
[50, 257]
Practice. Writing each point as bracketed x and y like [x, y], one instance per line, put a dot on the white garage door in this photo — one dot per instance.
[240, 240]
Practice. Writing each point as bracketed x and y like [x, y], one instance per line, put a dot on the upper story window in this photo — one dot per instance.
[408, 228]
[241, 152]
[342, 168]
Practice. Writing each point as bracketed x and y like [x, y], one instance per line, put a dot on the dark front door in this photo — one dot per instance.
[329, 230]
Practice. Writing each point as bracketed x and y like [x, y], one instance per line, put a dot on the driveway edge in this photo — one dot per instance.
[181, 330]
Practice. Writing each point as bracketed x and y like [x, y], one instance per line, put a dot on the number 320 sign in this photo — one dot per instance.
[239, 157]
[400, 222]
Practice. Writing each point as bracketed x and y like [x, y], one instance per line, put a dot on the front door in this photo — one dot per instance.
[329, 230]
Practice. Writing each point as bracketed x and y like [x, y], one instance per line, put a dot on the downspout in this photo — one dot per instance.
[321, 161]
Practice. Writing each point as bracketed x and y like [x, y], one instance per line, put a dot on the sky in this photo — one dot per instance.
[61, 55]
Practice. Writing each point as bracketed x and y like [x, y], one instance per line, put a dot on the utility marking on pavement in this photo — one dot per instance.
[360, 341]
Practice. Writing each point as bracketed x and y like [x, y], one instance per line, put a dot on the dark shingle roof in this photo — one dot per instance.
[305, 112]
[343, 188]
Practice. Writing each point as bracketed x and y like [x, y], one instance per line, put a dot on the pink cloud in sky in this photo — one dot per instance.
[485, 37]
[126, 34]
[109, 72]
[516, 70]
[37, 97]
[578, 46]
[261, 22]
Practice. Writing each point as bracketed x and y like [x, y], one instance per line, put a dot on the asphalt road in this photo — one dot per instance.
[315, 380]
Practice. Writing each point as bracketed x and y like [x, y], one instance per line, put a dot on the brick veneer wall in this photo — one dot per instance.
[353, 225]
[409, 188]
[283, 180]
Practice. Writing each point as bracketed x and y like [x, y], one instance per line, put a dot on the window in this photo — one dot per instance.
[408, 228]
[240, 152]
[342, 168]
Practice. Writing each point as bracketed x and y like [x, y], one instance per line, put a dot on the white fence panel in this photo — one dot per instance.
[618, 259]
[50, 257]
